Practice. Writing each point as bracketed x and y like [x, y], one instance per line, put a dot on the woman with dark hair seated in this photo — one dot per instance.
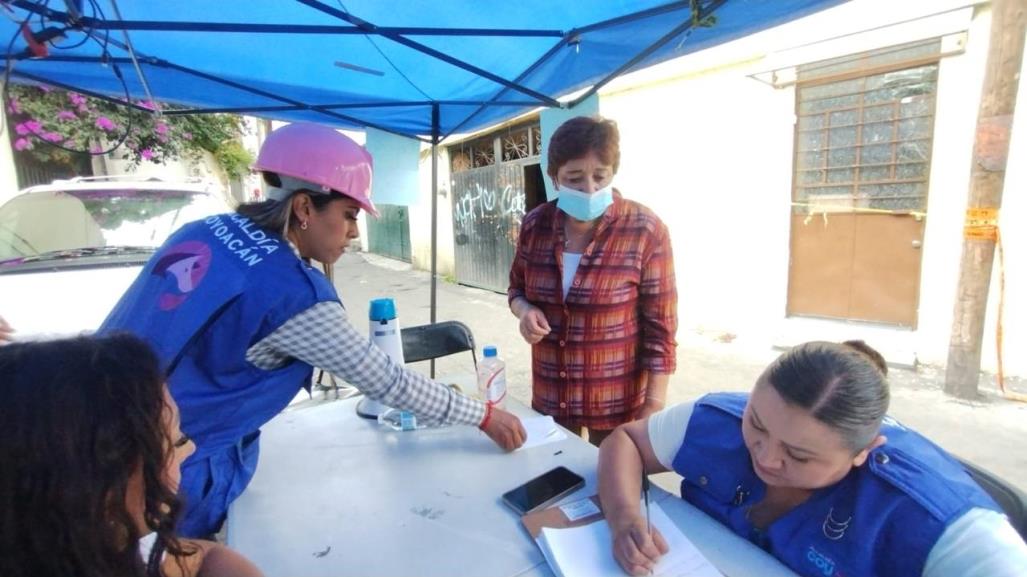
[808, 467]
[89, 465]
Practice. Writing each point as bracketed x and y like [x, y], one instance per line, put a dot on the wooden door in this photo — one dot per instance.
[856, 267]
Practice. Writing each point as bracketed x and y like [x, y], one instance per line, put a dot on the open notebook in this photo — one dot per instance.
[575, 540]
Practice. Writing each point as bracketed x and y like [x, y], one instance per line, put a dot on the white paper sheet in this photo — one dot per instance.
[541, 431]
[587, 551]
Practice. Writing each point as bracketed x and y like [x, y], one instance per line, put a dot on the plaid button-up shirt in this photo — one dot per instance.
[618, 320]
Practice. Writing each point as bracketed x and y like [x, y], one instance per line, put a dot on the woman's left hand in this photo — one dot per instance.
[6, 332]
[650, 406]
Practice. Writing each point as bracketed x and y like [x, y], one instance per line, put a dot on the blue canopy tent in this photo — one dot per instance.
[423, 69]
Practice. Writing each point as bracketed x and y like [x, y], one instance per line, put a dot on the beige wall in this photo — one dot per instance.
[207, 168]
[710, 149]
[8, 176]
[711, 155]
[420, 216]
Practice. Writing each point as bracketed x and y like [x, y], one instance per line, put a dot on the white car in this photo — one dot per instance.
[70, 249]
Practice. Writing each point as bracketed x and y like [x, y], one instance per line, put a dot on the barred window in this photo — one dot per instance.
[511, 144]
[864, 131]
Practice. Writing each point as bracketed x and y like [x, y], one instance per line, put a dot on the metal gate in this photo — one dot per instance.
[389, 234]
[488, 207]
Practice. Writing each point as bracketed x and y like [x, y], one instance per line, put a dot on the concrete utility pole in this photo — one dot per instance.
[987, 176]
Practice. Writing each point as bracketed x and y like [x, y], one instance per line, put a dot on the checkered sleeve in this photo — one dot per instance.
[322, 336]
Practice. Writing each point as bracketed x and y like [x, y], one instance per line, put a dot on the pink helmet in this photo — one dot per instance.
[322, 156]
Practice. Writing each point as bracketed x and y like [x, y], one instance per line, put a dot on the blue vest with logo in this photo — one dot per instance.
[881, 520]
[214, 289]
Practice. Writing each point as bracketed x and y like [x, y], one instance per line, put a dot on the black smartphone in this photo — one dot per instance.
[543, 490]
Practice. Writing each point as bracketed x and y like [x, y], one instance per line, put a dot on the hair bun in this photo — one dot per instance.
[868, 351]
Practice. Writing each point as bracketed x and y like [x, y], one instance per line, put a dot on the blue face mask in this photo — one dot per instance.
[582, 206]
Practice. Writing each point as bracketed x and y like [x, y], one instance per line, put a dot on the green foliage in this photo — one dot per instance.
[78, 124]
[233, 158]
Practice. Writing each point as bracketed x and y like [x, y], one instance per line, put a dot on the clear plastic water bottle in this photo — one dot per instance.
[492, 378]
[399, 420]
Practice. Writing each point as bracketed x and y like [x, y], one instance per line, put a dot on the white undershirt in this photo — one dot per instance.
[980, 543]
[571, 260]
[146, 543]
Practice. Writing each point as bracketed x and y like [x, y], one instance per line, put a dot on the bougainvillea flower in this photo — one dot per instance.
[104, 123]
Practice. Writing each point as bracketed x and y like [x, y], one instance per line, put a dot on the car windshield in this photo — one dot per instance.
[36, 224]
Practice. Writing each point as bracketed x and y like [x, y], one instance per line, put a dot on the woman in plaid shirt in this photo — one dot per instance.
[592, 284]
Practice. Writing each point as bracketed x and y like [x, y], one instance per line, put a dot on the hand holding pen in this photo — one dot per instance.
[637, 545]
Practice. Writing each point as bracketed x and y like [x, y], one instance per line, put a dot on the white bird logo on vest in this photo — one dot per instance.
[833, 528]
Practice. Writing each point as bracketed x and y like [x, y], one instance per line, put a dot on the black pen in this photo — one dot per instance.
[645, 496]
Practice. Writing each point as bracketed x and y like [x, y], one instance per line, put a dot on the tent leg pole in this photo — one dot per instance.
[434, 213]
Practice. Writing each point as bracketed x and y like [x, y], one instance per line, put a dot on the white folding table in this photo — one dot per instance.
[338, 495]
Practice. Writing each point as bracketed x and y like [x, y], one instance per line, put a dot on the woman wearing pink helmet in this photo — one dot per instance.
[240, 318]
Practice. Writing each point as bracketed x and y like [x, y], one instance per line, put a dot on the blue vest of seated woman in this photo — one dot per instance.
[214, 289]
[881, 520]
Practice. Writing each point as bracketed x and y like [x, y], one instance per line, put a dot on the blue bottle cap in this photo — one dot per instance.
[382, 310]
[489, 351]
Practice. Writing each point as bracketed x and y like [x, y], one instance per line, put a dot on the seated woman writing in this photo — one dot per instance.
[89, 465]
[808, 467]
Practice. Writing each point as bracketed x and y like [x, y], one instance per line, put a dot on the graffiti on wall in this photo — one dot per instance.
[489, 203]
[477, 207]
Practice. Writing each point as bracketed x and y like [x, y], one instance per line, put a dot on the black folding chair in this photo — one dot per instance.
[427, 342]
[1012, 500]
